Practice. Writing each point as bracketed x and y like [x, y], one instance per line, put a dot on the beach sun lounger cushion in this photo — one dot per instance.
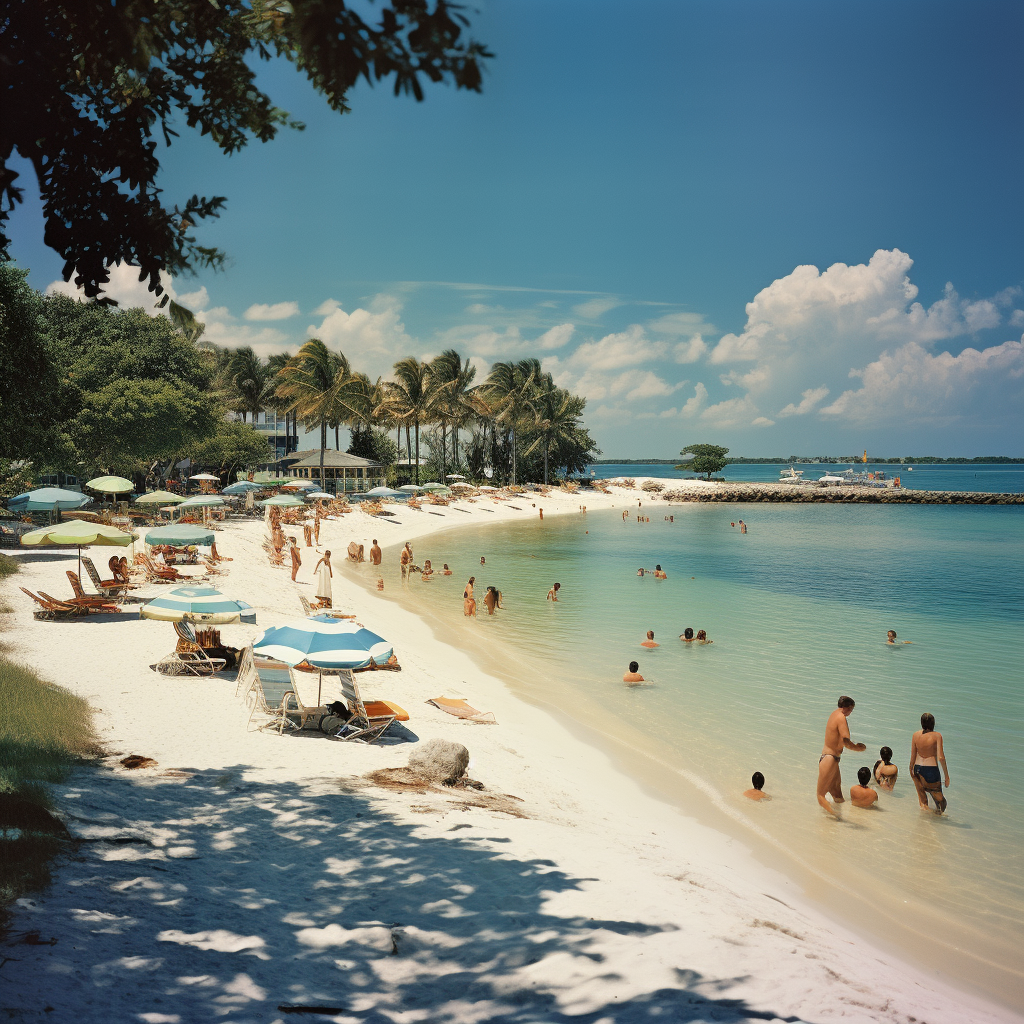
[460, 709]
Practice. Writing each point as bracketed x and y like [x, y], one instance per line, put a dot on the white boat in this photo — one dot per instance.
[791, 476]
[831, 481]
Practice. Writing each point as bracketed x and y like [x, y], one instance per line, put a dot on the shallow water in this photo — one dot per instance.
[798, 609]
[998, 478]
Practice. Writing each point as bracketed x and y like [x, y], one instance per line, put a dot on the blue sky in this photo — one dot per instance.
[782, 227]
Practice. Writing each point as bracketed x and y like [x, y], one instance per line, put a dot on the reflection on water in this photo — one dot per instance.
[798, 609]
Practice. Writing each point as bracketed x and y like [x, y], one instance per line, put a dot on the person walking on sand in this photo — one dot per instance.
[374, 553]
[553, 592]
[649, 642]
[926, 754]
[632, 677]
[837, 737]
[324, 574]
[296, 557]
[468, 600]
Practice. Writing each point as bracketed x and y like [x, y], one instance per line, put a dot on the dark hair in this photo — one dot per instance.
[885, 754]
[374, 540]
[634, 666]
[757, 780]
[927, 722]
[701, 634]
[558, 586]
[847, 702]
[658, 567]
[688, 632]
[863, 775]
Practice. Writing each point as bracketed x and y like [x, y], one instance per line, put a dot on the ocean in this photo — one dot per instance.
[798, 609]
[1002, 478]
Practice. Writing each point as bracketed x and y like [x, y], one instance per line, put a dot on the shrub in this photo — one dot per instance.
[652, 487]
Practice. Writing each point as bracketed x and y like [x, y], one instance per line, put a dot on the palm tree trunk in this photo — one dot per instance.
[545, 461]
[513, 456]
[417, 451]
[337, 443]
[408, 446]
[323, 445]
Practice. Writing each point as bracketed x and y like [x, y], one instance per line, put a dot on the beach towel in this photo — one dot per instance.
[382, 708]
[460, 709]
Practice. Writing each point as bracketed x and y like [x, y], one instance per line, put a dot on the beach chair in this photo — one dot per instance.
[50, 609]
[108, 588]
[84, 600]
[161, 573]
[367, 722]
[188, 658]
[310, 610]
[311, 692]
[460, 709]
[266, 690]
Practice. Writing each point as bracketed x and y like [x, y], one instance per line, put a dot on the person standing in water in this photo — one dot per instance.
[649, 642]
[553, 592]
[324, 574]
[375, 553]
[468, 600]
[406, 559]
[632, 677]
[837, 737]
[926, 755]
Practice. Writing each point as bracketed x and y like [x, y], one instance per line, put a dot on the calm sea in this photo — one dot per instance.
[798, 609]
[1001, 478]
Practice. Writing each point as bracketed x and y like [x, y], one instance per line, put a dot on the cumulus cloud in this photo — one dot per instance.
[811, 397]
[199, 299]
[555, 338]
[593, 309]
[124, 288]
[681, 323]
[690, 351]
[762, 421]
[226, 331]
[276, 311]
[377, 331]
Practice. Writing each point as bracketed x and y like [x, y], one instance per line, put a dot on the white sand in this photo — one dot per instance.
[249, 871]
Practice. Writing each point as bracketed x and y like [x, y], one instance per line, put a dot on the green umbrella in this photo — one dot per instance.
[79, 533]
[201, 501]
[111, 485]
[287, 500]
[158, 498]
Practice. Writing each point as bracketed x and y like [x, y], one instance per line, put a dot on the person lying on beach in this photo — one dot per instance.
[837, 737]
[468, 600]
[427, 572]
[885, 770]
[702, 637]
[926, 754]
[446, 571]
[757, 793]
[687, 635]
[890, 638]
[374, 553]
[863, 795]
[659, 573]
[649, 642]
[553, 592]
[632, 677]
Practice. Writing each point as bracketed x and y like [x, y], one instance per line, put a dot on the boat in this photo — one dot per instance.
[791, 476]
[828, 480]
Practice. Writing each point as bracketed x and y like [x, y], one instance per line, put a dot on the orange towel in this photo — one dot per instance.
[379, 708]
[460, 709]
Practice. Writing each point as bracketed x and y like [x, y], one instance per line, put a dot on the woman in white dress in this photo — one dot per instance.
[324, 575]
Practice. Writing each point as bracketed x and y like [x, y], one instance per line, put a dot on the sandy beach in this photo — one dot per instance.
[247, 875]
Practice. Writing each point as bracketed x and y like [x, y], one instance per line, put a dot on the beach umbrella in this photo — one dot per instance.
[202, 604]
[284, 500]
[79, 533]
[44, 498]
[242, 486]
[434, 487]
[180, 535]
[455, 476]
[202, 501]
[156, 497]
[205, 476]
[411, 488]
[111, 485]
[384, 492]
[487, 487]
[323, 642]
[317, 496]
[300, 485]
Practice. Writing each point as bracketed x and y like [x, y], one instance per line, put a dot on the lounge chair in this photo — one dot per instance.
[366, 723]
[311, 692]
[51, 609]
[188, 658]
[310, 611]
[265, 690]
[108, 588]
[81, 598]
[460, 709]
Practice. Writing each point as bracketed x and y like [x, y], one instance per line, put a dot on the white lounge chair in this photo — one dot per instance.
[363, 727]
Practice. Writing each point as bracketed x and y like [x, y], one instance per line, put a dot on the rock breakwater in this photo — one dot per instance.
[839, 495]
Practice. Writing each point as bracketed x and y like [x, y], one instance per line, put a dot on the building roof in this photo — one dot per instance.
[332, 460]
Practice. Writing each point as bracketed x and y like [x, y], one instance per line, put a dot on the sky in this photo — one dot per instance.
[785, 227]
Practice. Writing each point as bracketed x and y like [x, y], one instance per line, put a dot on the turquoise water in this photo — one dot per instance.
[992, 478]
[798, 609]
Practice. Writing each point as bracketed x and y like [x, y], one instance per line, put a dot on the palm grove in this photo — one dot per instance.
[105, 390]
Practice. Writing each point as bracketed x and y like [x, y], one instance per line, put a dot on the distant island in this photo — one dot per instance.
[912, 460]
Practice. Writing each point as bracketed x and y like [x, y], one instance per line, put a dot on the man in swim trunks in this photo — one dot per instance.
[632, 677]
[862, 795]
[649, 642]
[406, 559]
[925, 756]
[375, 553]
[837, 736]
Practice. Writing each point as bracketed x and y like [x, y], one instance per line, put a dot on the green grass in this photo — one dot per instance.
[8, 566]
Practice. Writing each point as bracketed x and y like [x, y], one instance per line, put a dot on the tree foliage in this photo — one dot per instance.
[90, 85]
[368, 443]
[707, 458]
[231, 444]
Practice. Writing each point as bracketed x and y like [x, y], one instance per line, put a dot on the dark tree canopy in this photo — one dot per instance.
[707, 458]
[89, 85]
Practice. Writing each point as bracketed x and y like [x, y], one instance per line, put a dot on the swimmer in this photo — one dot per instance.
[743, 527]
[649, 642]
[702, 637]
[863, 795]
[427, 571]
[926, 754]
[890, 638]
[553, 592]
[687, 635]
[468, 600]
[632, 677]
[446, 571]
[659, 573]
[492, 600]
[640, 572]
[406, 558]
[483, 561]
[757, 793]
[375, 553]
[885, 770]
[837, 738]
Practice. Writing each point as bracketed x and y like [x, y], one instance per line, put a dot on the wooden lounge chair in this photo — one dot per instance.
[51, 609]
[188, 658]
[311, 610]
[108, 588]
[460, 709]
[365, 723]
[161, 573]
[84, 600]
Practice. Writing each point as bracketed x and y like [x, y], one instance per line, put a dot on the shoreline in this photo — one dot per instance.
[689, 915]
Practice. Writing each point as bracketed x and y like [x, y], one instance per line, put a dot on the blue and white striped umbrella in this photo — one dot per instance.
[323, 643]
[203, 604]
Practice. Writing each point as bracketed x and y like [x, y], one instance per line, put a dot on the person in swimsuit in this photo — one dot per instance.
[757, 792]
[863, 795]
[885, 770]
[632, 677]
[491, 600]
[468, 600]
[890, 638]
[375, 553]
[659, 573]
[837, 736]
[446, 571]
[926, 755]
[649, 642]
[702, 637]
[553, 592]
[687, 635]
[428, 571]
[296, 557]
[406, 559]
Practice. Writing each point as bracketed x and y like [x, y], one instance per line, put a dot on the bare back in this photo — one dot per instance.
[926, 747]
[836, 730]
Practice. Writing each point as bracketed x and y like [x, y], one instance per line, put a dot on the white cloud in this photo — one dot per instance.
[556, 337]
[615, 351]
[811, 397]
[1017, 318]
[124, 288]
[194, 300]
[327, 307]
[376, 335]
[595, 308]
[734, 412]
[277, 311]
[681, 323]
[912, 384]
[225, 330]
[762, 421]
[690, 351]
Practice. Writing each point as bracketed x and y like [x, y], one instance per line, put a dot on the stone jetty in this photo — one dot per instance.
[839, 495]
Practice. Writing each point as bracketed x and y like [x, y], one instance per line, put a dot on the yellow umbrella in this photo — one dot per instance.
[79, 533]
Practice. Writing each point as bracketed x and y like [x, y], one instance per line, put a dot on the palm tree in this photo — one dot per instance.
[512, 388]
[451, 383]
[320, 387]
[251, 383]
[557, 417]
[410, 399]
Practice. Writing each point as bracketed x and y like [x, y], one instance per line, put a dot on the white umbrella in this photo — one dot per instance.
[204, 476]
